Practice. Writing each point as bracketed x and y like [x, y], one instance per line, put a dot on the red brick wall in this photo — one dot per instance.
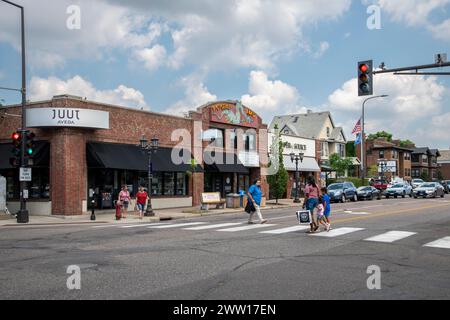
[445, 170]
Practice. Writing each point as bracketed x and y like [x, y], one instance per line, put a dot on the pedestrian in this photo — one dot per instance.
[312, 193]
[141, 200]
[124, 198]
[254, 195]
[327, 204]
[321, 214]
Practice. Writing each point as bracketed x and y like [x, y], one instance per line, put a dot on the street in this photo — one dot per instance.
[222, 257]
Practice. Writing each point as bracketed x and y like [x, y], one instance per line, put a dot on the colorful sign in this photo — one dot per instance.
[235, 114]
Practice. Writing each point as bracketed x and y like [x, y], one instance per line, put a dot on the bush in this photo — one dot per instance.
[356, 181]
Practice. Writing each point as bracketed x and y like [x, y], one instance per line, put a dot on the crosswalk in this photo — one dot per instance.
[388, 237]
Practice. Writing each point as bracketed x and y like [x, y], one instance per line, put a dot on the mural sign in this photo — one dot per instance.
[235, 114]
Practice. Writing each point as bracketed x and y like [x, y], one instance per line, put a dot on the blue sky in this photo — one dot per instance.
[278, 57]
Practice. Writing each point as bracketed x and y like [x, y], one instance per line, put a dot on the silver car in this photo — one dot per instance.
[429, 190]
[399, 190]
[416, 183]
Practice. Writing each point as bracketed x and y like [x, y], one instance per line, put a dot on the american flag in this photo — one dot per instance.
[357, 129]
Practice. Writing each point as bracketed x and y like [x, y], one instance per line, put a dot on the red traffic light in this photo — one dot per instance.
[364, 68]
[15, 136]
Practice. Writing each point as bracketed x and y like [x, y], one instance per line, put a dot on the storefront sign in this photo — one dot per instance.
[75, 118]
[235, 114]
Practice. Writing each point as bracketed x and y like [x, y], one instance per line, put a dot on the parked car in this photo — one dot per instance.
[447, 183]
[429, 190]
[368, 193]
[416, 183]
[399, 190]
[444, 184]
[380, 184]
[341, 192]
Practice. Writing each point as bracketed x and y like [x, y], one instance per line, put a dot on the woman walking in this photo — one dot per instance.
[141, 200]
[124, 198]
[312, 193]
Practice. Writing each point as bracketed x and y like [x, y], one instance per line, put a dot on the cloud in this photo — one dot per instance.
[195, 95]
[43, 89]
[324, 46]
[441, 31]
[412, 103]
[269, 97]
[152, 58]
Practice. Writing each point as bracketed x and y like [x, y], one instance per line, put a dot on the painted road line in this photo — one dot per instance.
[143, 225]
[213, 226]
[443, 243]
[286, 230]
[337, 232]
[359, 213]
[391, 236]
[106, 226]
[179, 225]
[249, 227]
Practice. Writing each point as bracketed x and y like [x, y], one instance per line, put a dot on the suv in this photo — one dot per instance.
[417, 182]
[342, 191]
[380, 184]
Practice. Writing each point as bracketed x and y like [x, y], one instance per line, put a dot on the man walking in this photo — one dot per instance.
[254, 195]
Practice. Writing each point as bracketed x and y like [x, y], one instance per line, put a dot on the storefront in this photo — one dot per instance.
[88, 151]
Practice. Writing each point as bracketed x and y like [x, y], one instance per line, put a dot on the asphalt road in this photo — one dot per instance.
[132, 260]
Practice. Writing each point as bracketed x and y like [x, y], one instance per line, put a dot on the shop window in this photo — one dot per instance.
[382, 154]
[250, 141]
[157, 184]
[39, 187]
[181, 184]
[169, 184]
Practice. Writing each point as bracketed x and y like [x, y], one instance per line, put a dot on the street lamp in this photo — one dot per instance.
[297, 158]
[363, 171]
[22, 215]
[150, 149]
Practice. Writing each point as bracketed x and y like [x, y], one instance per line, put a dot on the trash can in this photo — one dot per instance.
[233, 200]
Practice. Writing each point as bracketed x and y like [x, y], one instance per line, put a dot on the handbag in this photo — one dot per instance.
[304, 217]
[250, 208]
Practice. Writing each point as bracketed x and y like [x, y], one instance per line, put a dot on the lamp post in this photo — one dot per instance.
[150, 149]
[22, 215]
[363, 166]
[297, 158]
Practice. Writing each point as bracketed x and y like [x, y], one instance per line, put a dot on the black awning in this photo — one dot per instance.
[223, 162]
[130, 157]
[41, 156]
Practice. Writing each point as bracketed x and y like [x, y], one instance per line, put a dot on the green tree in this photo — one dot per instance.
[350, 149]
[380, 134]
[340, 165]
[373, 171]
[424, 176]
[440, 176]
[278, 181]
[404, 143]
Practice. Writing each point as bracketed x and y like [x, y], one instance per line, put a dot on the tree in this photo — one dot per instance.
[424, 176]
[350, 149]
[340, 165]
[278, 181]
[373, 171]
[380, 134]
[405, 143]
[440, 176]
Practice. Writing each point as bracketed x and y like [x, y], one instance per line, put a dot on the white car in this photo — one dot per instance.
[417, 183]
[399, 190]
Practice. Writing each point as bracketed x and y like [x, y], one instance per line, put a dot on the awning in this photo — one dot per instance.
[130, 157]
[223, 162]
[308, 164]
[41, 156]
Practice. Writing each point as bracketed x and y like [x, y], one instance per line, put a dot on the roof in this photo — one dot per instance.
[377, 146]
[306, 125]
[445, 155]
[435, 152]
[335, 134]
[423, 150]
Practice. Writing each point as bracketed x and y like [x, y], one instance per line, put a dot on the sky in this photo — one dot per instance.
[278, 57]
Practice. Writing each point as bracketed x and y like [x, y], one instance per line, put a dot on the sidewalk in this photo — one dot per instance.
[160, 215]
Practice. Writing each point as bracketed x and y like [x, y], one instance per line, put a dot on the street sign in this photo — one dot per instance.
[25, 175]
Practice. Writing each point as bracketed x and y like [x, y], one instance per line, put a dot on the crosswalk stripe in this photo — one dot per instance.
[214, 226]
[391, 236]
[177, 225]
[143, 225]
[443, 243]
[336, 232]
[286, 230]
[250, 227]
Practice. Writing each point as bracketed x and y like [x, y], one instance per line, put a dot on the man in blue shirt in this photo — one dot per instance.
[327, 204]
[254, 195]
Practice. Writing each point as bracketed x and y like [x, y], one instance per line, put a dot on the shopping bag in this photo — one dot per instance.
[250, 208]
[304, 217]
[118, 213]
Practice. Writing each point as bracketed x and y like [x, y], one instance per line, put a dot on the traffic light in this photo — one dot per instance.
[365, 78]
[30, 146]
[17, 149]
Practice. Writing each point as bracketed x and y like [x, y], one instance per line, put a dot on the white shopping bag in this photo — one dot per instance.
[304, 217]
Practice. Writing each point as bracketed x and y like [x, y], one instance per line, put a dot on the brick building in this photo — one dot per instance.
[425, 162]
[86, 148]
[444, 163]
[397, 158]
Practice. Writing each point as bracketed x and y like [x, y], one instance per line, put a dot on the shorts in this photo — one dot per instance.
[140, 206]
[327, 214]
[320, 217]
[125, 204]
